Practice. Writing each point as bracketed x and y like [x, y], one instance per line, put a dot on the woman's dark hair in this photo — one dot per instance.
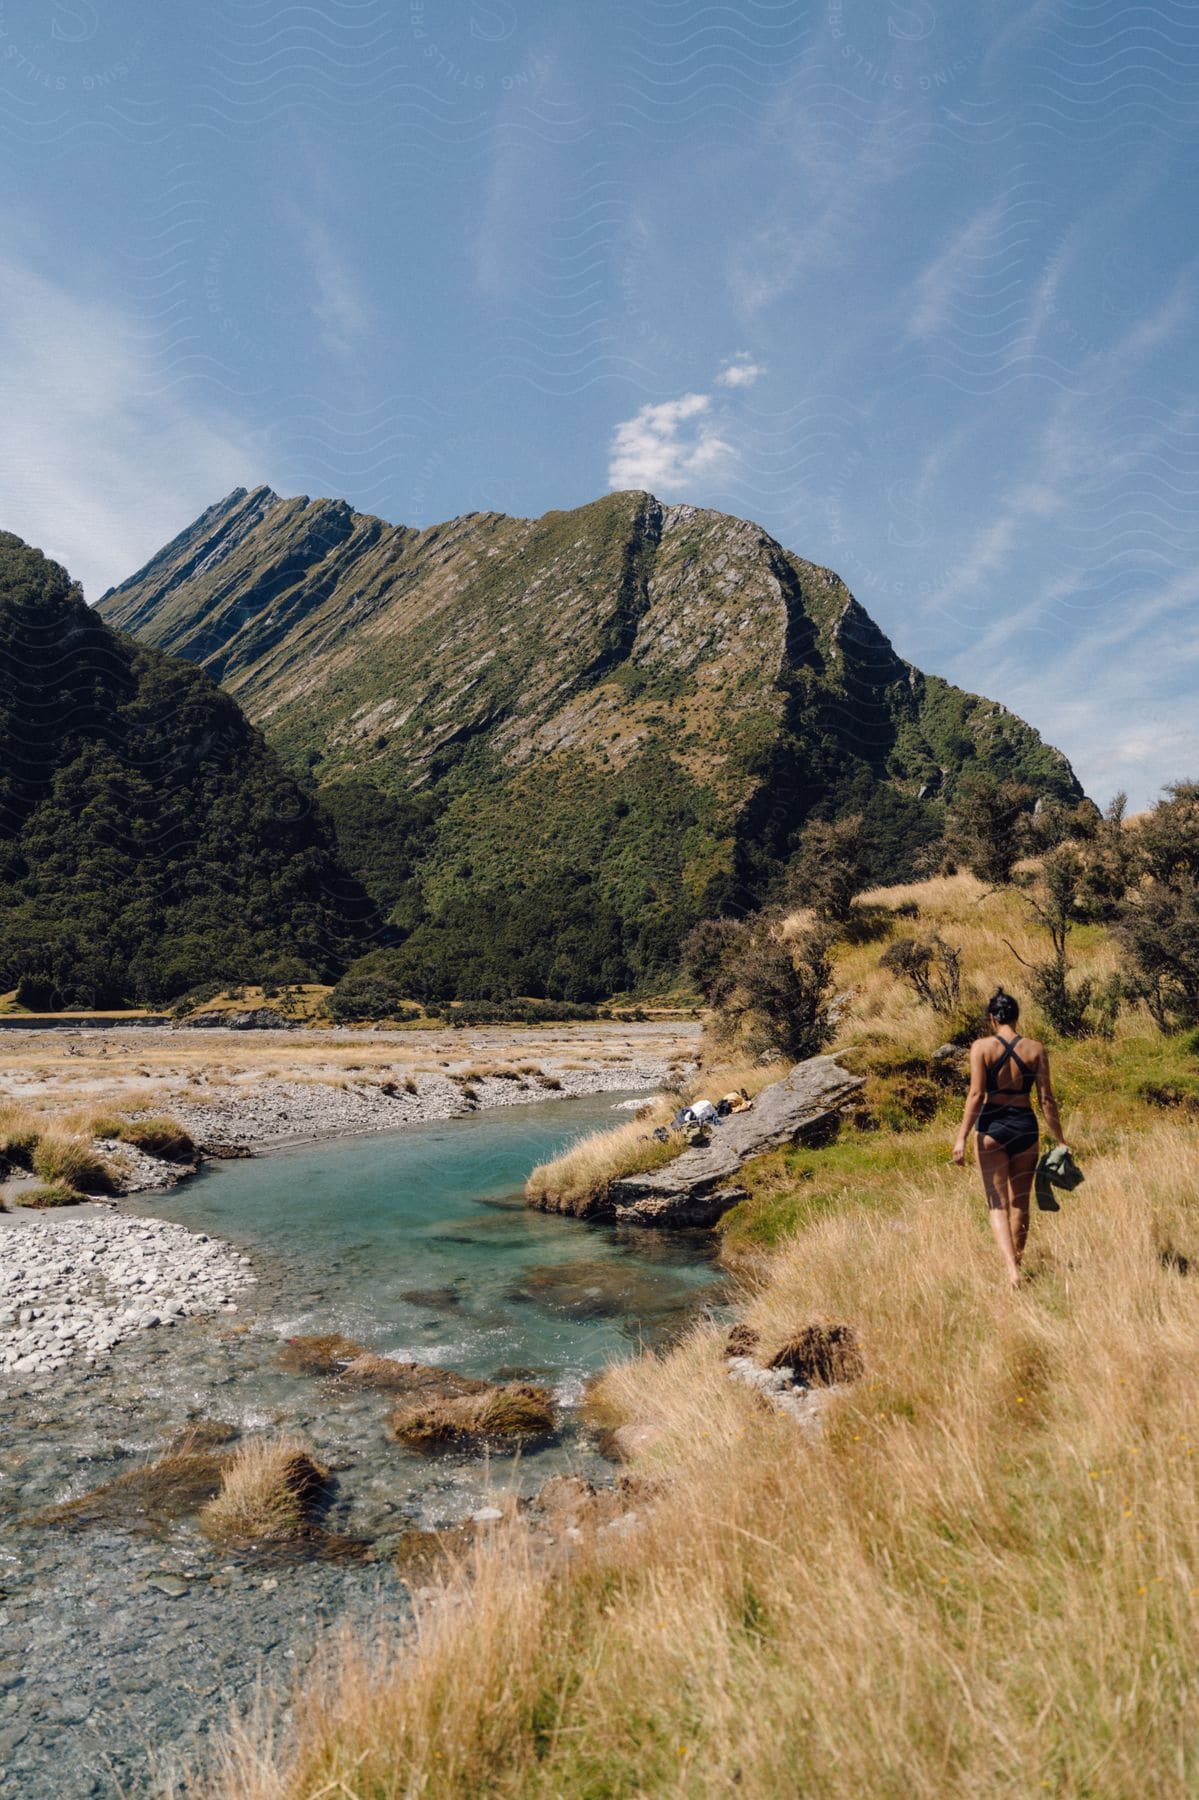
[1002, 1008]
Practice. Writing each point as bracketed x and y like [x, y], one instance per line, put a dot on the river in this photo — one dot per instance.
[120, 1646]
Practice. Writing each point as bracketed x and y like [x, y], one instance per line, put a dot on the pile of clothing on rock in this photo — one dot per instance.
[694, 1121]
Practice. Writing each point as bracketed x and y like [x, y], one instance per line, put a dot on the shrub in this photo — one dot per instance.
[777, 1002]
[707, 956]
[932, 970]
[1159, 920]
[828, 870]
[1108, 864]
[1072, 1009]
[367, 996]
[987, 825]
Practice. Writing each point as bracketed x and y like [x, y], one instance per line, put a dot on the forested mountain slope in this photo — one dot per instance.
[549, 745]
[149, 839]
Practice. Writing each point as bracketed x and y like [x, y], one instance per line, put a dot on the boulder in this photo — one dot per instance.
[698, 1186]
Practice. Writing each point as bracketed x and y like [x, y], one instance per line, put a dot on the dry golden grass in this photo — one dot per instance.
[268, 1491]
[982, 1578]
[993, 929]
[515, 1412]
[584, 1170]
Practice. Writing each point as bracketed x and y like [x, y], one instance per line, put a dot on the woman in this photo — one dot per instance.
[999, 1108]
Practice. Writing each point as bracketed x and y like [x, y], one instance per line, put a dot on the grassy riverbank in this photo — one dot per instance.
[981, 1576]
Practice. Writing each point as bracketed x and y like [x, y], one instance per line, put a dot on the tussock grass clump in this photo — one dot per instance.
[69, 1162]
[585, 1170]
[19, 1135]
[269, 1491]
[173, 1486]
[158, 1136]
[50, 1194]
[384, 1374]
[516, 1412]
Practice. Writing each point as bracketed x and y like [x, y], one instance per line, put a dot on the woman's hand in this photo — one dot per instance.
[959, 1150]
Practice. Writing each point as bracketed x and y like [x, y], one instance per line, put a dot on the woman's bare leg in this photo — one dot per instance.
[1021, 1170]
[993, 1167]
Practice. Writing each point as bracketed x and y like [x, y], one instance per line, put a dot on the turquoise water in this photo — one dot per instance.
[418, 1242]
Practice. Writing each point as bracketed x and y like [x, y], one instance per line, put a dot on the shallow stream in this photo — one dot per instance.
[121, 1645]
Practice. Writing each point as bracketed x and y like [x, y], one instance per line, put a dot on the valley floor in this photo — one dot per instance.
[264, 1089]
[978, 1575]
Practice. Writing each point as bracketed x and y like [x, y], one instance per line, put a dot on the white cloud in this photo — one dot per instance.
[102, 459]
[666, 446]
[338, 305]
[740, 371]
[944, 283]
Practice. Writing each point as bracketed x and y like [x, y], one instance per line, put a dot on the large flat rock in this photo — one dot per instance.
[698, 1186]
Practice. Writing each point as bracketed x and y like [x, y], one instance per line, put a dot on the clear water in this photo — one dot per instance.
[418, 1242]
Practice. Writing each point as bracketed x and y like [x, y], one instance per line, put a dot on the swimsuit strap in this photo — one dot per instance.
[992, 1071]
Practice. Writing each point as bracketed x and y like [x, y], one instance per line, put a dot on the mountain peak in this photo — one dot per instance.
[648, 697]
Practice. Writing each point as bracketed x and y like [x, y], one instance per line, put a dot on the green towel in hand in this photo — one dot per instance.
[1057, 1168]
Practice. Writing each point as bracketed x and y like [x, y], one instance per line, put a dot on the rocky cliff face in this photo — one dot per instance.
[642, 700]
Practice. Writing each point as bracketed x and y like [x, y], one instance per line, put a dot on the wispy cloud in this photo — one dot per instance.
[667, 445]
[337, 304]
[102, 458]
[740, 371]
[942, 283]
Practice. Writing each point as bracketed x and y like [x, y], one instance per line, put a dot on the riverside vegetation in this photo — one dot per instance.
[981, 1573]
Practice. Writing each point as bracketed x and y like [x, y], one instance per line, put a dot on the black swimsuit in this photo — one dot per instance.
[1012, 1128]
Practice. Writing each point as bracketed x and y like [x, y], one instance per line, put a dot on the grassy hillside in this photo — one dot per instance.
[979, 1576]
[549, 745]
[149, 839]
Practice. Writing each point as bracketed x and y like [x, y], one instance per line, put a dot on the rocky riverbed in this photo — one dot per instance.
[268, 1114]
[76, 1287]
[127, 1636]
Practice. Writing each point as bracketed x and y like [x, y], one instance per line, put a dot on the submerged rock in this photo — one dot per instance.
[388, 1375]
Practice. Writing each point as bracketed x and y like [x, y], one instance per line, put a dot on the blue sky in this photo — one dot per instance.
[912, 284]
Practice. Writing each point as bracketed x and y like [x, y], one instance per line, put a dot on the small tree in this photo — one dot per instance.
[932, 970]
[777, 995]
[1159, 918]
[987, 825]
[1108, 864]
[707, 956]
[1073, 1009]
[828, 870]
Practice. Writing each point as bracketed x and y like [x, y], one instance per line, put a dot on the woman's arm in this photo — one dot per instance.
[974, 1101]
[1046, 1096]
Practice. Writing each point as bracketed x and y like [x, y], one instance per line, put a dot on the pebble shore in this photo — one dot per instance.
[272, 1113]
[77, 1287]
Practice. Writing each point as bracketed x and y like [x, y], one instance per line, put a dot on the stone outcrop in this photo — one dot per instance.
[700, 1185]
